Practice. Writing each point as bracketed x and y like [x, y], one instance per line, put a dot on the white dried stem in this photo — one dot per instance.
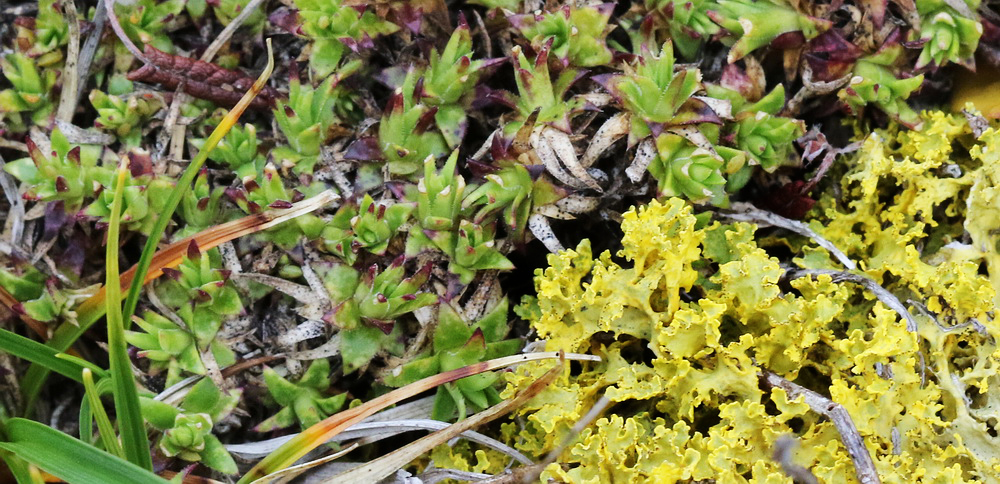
[746, 212]
[69, 99]
[887, 298]
[864, 467]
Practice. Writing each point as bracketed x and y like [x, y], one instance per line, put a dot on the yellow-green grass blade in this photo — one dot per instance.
[133, 431]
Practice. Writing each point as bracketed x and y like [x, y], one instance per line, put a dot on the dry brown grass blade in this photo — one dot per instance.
[316, 435]
[173, 254]
[384, 466]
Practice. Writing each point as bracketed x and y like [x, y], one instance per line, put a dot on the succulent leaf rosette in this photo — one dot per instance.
[575, 34]
[512, 193]
[683, 169]
[765, 137]
[539, 96]
[70, 174]
[368, 304]
[450, 81]
[187, 428]
[305, 120]
[368, 226]
[757, 23]
[30, 92]
[146, 21]
[442, 227]
[333, 28]
[305, 401]
[685, 22]
[875, 81]
[656, 96]
[458, 343]
[949, 35]
[407, 134]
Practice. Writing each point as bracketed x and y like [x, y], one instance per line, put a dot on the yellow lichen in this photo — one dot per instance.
[687, 323]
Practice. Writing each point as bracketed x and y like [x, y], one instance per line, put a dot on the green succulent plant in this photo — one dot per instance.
[305, 401]
[144, 199]
[239, 151]
[44, 35]
[40, 298]
[537, 92]
[203, 299]
[406, 133]
[124, 117]
[368, 304]
[266, 189]
[187, 431]
[757, 23]
[875, 82]
[682, 169]
[201, 207]
[368, 226]
[173, 349]
[948, 35]
[145, 21]
[305, 120]
[70, 174]
[440, 227]
[686, 23]
[766, 138]
[458, 343]
[449, 81]
[334, 27]
[438, 195]
[511, 192]
[575, 33]
[29, 93]
[227, 10]
[655, 95]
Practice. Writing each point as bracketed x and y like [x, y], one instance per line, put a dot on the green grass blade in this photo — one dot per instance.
[39, 354]
[22, 471]
[130, 423]
[70, 459]
[107, 431]
[132, 299]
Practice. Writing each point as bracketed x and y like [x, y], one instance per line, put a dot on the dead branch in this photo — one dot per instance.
[883, 294]
[745, 212]
[864, 467]
[783, 449]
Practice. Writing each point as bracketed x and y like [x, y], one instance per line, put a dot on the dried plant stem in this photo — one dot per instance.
[230, 29]
[385, 465]
[864, 467]
[883, 294]
[745, 212]
[109, 7]
[316, 435]
[88, 51]
[70, 94]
